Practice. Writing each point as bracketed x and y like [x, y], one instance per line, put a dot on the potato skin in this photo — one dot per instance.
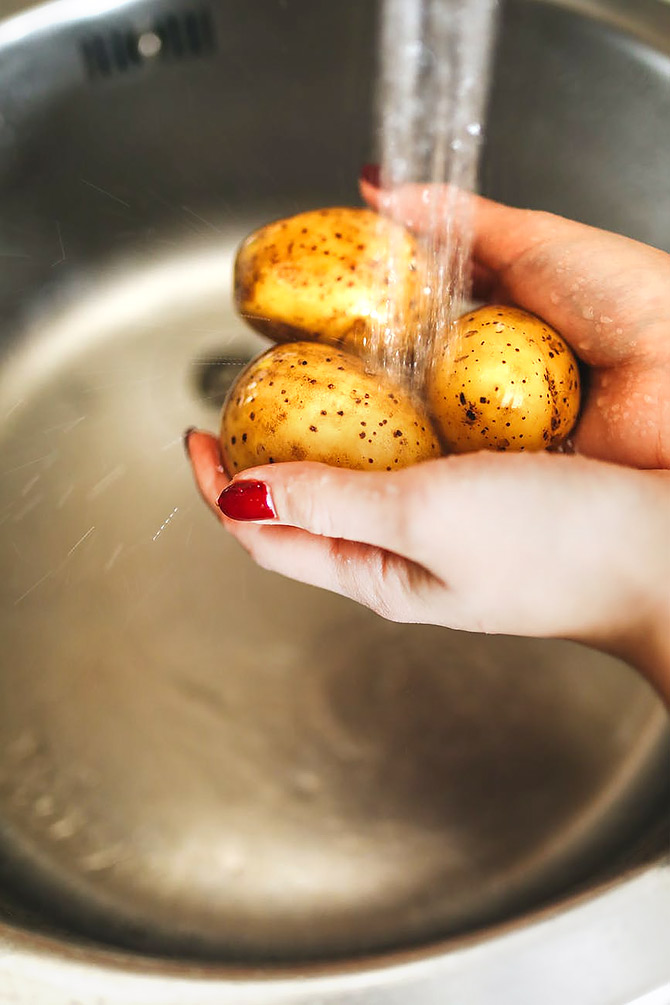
[308, 401]
[505, 381]
[322, 275]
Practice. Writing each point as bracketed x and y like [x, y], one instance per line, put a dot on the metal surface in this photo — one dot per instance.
[238, 764]
[199, 759]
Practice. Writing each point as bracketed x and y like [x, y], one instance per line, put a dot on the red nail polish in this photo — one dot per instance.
[371, 174]
[247, 500]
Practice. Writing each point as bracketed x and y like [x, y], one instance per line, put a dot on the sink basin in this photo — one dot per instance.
[212, 778]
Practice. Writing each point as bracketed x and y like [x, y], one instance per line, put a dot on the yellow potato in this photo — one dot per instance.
[308, 401]
[324, 275]
[505, 381]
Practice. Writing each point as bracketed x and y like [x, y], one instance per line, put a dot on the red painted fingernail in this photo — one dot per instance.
[371, 174]
[247, 500]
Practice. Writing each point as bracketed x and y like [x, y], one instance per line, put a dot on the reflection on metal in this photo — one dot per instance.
[149, 45]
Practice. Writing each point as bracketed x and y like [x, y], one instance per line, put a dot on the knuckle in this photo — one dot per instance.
[372, 581]
[347, 579]
[304, 507]
[404, 526]
[402, 529]
[388, 597]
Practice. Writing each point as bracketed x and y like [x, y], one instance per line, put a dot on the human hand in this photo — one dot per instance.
[607, 295]
[523, 544]
[527, 544]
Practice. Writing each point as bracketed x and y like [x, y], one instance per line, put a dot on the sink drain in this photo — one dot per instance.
[214, 377]
[178, 35]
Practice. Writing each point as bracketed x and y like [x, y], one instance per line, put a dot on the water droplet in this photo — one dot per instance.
[165, 523]
[105, 858]
[307, 783]
[44, 806]
[64, 828]
[23, 747]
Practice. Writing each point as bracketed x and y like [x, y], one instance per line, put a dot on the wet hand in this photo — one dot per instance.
[530, 544]
[607, 295]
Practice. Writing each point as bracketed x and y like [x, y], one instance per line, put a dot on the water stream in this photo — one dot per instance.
[434, 63]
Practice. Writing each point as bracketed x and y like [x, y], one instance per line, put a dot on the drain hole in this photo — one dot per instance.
[115, 52]
[188, 34]
[176, 36]
[214, 377]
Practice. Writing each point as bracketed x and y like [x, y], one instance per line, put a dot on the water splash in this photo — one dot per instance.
[167, 520]
[434, 68]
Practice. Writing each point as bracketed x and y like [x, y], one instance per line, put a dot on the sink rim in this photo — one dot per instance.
[648, 20]
[614, 907]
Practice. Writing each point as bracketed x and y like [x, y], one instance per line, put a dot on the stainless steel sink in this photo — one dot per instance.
[216, 785]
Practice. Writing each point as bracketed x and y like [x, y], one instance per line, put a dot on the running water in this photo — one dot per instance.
[433, 80]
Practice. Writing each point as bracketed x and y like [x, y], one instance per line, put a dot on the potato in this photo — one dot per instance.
[504, 381]
[308, 401]
[325, 275]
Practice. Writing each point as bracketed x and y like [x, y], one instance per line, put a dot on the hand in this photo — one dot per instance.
[537, 544]
[607, 295]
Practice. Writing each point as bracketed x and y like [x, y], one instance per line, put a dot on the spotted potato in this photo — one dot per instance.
[308, 401]
[505, 380]
[326, 274]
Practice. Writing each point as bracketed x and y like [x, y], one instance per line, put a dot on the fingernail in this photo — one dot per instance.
[185, 438]
[371, 174]
[247, 500]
